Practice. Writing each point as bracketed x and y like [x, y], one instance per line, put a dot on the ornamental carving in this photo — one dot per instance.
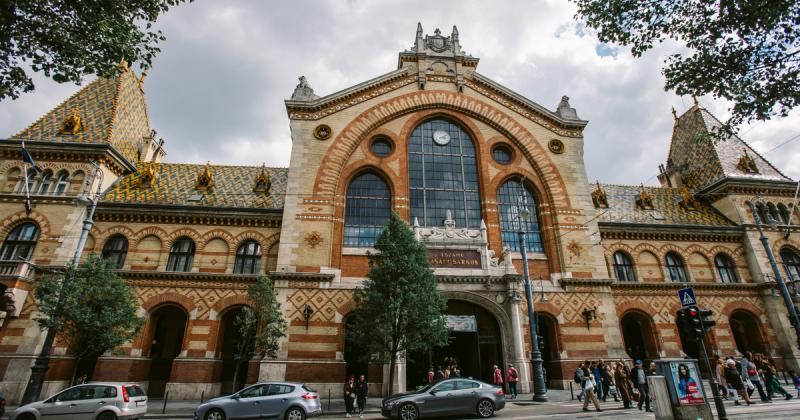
[747, 164]
[262, 181]
[687, 199]
[71, 124]
[205, 180]
[147, 176]
[644, 200]
[575, 248]
[599, 197]
[556, 146]
[313, 239]
[323, 132]
[449, 231]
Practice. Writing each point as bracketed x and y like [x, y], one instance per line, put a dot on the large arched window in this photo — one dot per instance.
[508, 197]
[623, 267]
[443, 175]
[20, 242]
[181, 255]
[791, 263]
[726, 268]
[677, 272]
[115, 250]
[248, 258]
[367, 207]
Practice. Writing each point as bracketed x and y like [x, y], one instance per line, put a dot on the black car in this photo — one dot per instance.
[445, 398]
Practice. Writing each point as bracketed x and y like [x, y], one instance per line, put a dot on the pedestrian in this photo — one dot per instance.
[735, 382]
[795, 381]
[608, 383]
[749, 373]
[640, 380]
[429, 375]
[598, 383]
[349, 395]
[588, 387]
[578, 377]
[439, 375]
[362, 390]
[446, 372]
[497, 376]
[622, 383]
[719, 372]
[772, 382]
[456, 372]
[512, 377]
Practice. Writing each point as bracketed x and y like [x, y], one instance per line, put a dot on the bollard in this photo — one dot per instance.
[202, 396]
[329, 400]
[571, 392]
[164, 408]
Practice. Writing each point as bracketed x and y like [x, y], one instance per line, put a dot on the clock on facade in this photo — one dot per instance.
[441, 137]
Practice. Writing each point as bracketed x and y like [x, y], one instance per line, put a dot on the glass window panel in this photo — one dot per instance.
[248, 258]
[791, 263]
[181, 255]
[508, 197]
[675, 268]
[115, 250]
[20, 242]
[726, 269]
[623, 267]
[367, 208]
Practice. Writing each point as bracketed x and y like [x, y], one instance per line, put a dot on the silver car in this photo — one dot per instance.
[94, 401]
[457, 396]
[284, 400]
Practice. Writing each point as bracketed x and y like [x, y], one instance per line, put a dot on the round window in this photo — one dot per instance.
[502, 154]
[381, 147]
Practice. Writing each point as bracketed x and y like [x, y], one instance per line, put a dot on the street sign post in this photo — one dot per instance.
[687, 298]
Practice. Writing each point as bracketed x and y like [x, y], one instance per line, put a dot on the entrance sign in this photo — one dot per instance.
[685, 379]
[461, 323]
[454, 258]
[686, 297]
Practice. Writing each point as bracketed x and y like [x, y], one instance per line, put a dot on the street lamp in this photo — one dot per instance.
[539, 389]
[39, 367]
[787, 299]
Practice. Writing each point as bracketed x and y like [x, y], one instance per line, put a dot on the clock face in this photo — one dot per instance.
[441, 137]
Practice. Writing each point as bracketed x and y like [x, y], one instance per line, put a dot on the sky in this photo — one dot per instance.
[216, 90]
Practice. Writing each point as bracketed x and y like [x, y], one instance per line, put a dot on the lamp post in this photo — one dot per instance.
[787, 299]
[39, 367]
[539, 389]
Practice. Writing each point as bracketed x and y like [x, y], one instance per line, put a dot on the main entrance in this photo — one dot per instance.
[547, 330]
[474, 347]
[639, 336]
[746, 332]
[167, 327]
[234, 367]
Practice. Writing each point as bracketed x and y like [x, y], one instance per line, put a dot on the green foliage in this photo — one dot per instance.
[263, 322]
[744, 51]
[99, 311]
[69, 39]
[398, 308]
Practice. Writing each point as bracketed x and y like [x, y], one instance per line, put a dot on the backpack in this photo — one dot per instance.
[578, 378]
[514, 374]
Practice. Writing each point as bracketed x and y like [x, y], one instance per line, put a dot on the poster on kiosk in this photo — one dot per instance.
[686, 379]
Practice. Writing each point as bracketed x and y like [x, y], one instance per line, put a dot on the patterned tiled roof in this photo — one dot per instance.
[111, 110]
[175, 184]
[667, 208]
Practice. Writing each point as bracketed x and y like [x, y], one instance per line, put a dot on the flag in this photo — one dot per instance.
[28, 159]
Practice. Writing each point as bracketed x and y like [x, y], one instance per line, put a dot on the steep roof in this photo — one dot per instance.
[668, 209]
[174, 184]
[112, 111]
[702, 161]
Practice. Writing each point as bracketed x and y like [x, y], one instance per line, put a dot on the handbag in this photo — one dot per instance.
[635, 395]
[751, 372]
[612, 389]
[750, 385]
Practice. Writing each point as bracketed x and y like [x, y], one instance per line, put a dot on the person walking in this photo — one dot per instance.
[429, 375]
[609, 387]
[772, 382]
[735, 383]
[579, 378]
[719, 371]
[622, 382]
[349, 395]
[749, 373]
[439, 375]
[497, 376]
[456, 372]
[362, 391]
[795, 381]
[639, 376]
[588, 385]
[598, 390]
[512, 377]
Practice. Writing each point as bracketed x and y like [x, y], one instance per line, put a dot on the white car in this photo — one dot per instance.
[93, 401]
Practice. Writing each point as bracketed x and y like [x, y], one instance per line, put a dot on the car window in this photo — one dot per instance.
[71, 394]
[254, 391]
[308, 389]
[277, 389]
[134, 391]
[467, 385]
[445, 386]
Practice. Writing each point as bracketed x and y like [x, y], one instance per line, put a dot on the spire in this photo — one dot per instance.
[303, 91]
[454, 39]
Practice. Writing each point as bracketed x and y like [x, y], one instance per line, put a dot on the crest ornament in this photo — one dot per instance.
[323, 132]
[147, 177]
[599, 197]
[556, 146]
[262, 181]
[313, 239]
[71, 124]
[643, 200]
[205, 180]
[747, 164]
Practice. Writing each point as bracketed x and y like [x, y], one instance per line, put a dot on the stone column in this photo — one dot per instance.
[518, 347]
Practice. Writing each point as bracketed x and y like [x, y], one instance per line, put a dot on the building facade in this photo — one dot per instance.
[454, 154]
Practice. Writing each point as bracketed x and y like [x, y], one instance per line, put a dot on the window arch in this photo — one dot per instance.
[726, 268]
[181, 255]
[508, 197]
[45, 183]
[20, 242]
[368, 203]
[675, 267]
[791, 263]
[62, 183]
[784, 212]
[248, 258]
[623, 267]
[31, 181]
[443, 175]
[115, 250]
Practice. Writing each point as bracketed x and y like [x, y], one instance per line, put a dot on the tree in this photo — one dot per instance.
[398, 308]
[259, 330]
[69, 39]
[99, 311]
[744, 51]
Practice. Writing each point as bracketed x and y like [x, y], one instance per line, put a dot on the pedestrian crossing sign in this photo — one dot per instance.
[687, 297]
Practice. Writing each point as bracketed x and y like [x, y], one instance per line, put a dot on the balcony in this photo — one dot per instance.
[13, 271]
[15, 284]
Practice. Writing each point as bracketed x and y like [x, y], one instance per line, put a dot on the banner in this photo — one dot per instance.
[461, 323]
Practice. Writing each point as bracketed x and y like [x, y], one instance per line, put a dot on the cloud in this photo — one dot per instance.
[217, 89]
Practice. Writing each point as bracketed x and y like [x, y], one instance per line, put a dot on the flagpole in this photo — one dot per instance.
[27, 191]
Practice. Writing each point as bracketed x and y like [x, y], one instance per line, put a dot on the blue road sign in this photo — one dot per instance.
[687, 297]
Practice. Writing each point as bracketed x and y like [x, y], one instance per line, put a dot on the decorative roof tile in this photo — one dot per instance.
[175, 185]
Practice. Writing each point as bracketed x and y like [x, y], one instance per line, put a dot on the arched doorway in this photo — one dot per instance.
[167, 326]
[355, 356]
[231, 353]
[475, 345]
[547, 330]
[639, 336]
[747, 332]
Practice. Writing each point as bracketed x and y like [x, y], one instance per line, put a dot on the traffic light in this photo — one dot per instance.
[684, 323]
[696, 321]
[693, 322]
[706, 319]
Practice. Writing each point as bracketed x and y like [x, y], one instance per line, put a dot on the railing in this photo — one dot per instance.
[16, 270]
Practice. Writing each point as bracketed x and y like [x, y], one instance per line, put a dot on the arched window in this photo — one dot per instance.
[115, 250]
[181, 255]
[677, 272]
[367, 207]
[443, 175]
[248, 258]
[508, 196]
[726, 268]
[20, 242]
[791, 263]
[623, 267]
[62, 182]
[763, 213]
[31, 182]
[45, 183]
[784, 212]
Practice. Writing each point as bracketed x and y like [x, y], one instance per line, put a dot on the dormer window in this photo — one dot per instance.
[687, 199]
[643, 200]
[262, 181]
[599, 197]
[747, 164]
[205, 180]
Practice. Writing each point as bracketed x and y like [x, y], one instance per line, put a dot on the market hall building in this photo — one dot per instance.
[449, 150]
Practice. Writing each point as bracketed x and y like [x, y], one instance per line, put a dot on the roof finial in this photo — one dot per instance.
[303, 91]
[419, 29]
[674, 114]
[694, 98]
[141, 79]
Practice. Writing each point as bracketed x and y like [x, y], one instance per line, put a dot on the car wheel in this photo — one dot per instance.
[107, 415]
[295, 413]
[485, 408]
[215, 414]
[408, 411]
